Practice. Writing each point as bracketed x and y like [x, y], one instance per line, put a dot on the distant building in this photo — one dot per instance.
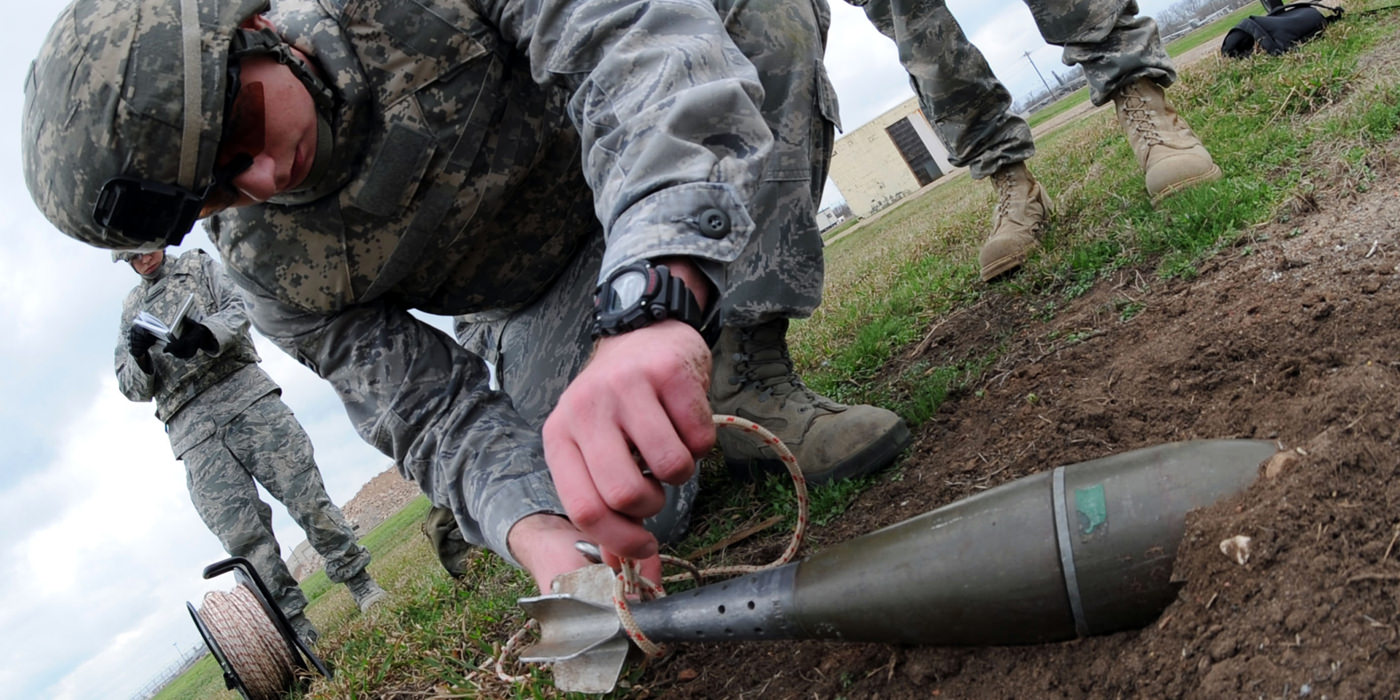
[830, 217]
[893, 155]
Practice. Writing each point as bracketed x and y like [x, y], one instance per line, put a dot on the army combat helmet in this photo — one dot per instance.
[125, 108]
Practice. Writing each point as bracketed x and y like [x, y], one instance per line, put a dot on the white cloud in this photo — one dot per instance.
[121, 545]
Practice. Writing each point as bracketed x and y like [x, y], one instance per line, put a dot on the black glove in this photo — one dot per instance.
[138, 343]
[195, 337]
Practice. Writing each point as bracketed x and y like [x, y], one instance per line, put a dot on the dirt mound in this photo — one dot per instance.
[1292, 335]
[380, 498]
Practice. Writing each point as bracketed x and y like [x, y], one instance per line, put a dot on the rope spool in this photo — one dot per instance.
[257, 653]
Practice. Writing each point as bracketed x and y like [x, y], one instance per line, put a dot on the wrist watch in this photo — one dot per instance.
[641, 294]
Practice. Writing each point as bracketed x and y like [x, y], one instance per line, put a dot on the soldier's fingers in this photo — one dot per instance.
[650, 566]
[617, 476]
[660, 445]
[690, 415]
[612, 531]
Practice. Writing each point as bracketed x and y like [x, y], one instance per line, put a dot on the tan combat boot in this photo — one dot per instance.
[1018, 223]
[1170, 154]
[753, 379]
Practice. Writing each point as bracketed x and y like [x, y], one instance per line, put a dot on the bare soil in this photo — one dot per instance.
[1291, 335]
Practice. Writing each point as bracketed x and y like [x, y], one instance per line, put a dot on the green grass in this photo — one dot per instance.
[1058, 107]
[202, 680]
[1281, 128]
[1211, 32]
[1277, 126]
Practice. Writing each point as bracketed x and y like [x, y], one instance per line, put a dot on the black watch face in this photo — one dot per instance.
[627, 289]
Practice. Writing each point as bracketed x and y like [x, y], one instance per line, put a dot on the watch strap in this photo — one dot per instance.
[671, 299]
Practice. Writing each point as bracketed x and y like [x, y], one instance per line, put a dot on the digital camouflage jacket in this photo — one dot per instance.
[195, 396]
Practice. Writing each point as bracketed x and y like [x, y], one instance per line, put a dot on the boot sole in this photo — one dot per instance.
[1208, 176]
[1004, 266]
[876, 456]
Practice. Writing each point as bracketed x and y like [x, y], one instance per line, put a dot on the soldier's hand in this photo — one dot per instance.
[637, 415]
[196, 337]
[138, 343]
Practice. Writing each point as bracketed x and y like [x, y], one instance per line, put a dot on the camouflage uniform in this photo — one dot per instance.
[228, 424]
[970, 109]
[460, 190]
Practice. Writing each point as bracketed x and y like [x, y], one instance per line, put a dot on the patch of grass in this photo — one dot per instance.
[929, 387]
[1128, 308]
[203, 680]
[1211, 32]
[1058, 107]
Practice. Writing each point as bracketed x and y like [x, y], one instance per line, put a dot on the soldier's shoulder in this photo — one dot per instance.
[194, 261]
[133, 297]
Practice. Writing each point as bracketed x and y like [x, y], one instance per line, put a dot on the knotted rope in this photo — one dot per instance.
[630, 582]
[242, 629]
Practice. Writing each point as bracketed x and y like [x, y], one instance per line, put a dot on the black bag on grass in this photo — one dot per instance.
[1281, 30]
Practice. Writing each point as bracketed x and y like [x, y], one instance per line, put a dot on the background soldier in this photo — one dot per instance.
[970, 110]
[498, 160]
[228, 424]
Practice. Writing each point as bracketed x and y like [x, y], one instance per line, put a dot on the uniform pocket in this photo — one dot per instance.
[824, 128]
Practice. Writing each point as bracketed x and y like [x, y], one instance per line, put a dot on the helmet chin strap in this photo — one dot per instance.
[266, 42]
[193, 93]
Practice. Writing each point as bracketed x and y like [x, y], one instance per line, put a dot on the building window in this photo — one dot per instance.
[914, 152]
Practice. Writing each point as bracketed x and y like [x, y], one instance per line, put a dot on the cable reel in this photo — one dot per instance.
[250, 637]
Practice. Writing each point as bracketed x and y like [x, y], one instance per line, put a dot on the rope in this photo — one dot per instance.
[629, 581]
[255, 650]
[508, 650]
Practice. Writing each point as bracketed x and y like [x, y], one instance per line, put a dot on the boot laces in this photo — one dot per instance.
[1005, 182]
[763, 362]
[1139, 116]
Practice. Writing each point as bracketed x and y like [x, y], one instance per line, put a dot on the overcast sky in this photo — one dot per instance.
[101, 547]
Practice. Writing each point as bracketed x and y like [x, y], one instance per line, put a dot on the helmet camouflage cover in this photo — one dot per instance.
[123, 111]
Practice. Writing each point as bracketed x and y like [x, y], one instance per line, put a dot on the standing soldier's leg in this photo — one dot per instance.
[969, 108]
[1123, 59]
[971, 113]
[227, 500]
[779, 275]
[273, 447]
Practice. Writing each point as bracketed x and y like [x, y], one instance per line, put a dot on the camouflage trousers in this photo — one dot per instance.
[538, 349]
[970, 110]
[266, 444]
